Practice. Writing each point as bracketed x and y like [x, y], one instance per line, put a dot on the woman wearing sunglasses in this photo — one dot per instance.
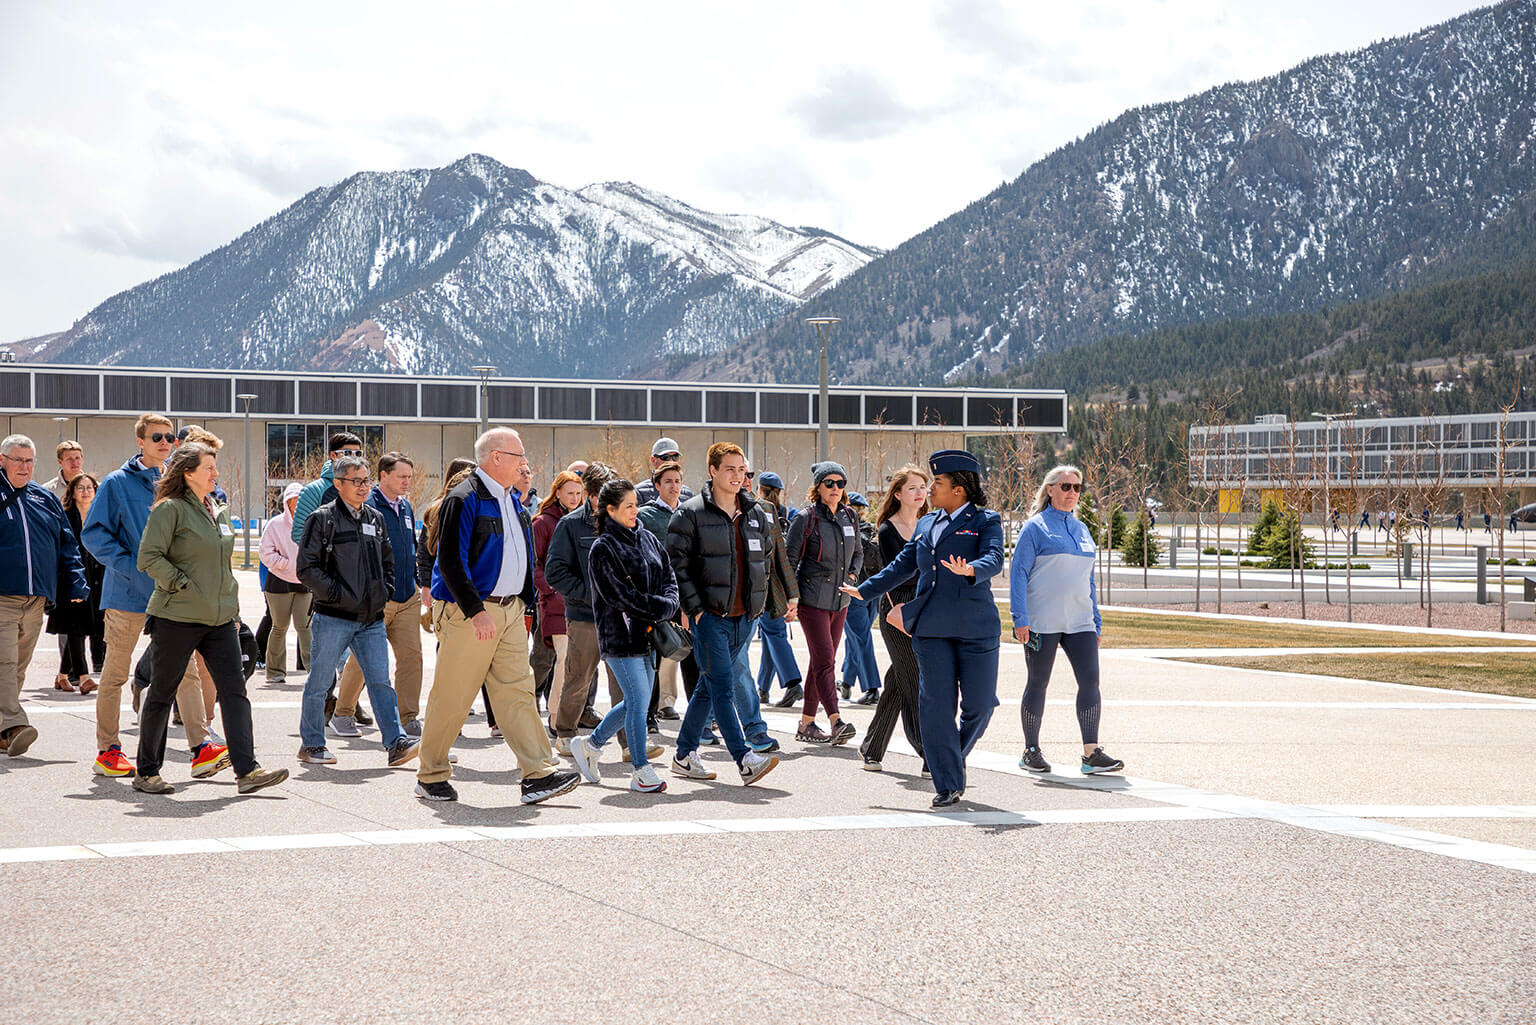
[824, 549]
[1055, 605]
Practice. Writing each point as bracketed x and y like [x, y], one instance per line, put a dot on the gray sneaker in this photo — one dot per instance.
[259, 779]
[412, 728]
[402, 751]
[317, 756]
[152, 785]
[345, 726]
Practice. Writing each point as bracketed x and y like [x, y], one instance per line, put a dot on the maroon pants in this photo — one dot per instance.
[823, 633]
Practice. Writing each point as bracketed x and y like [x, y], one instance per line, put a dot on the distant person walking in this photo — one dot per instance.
[79, 625]
[287, 599]
[783, 605]
[824, 549]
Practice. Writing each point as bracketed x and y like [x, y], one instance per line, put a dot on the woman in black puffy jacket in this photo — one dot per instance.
[823, 546]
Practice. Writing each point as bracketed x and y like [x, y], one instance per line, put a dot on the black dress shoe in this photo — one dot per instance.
[845, 690]
[793, 695]
[667, 712]
[869, 697]
[945, 798]
[363, 718]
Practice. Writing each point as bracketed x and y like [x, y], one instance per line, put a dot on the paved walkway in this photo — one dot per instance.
[1283, 848]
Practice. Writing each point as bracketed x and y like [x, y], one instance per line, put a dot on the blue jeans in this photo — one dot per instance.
[748, 707]
[778, 656]
[859, 665]
[330, 637]
[717, 641]
[634, 673]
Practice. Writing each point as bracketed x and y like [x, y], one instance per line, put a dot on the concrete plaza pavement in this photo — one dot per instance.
[1283, 848]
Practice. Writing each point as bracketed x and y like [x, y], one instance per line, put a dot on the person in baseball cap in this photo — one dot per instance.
[664, 451]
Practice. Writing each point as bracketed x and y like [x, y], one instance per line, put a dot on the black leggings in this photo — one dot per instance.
[171, 644]
[1083, 652]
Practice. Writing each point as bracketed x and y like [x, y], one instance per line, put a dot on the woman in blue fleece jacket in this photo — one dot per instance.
[1051, 590]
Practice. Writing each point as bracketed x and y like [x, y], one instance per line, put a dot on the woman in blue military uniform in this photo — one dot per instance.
[953, 621]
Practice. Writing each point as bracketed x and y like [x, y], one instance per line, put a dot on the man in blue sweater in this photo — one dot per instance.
[111, 533]
[37, 553]
[402, 613]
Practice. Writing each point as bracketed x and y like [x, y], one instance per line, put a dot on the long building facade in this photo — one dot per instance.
[873, 431]
[1484, 457]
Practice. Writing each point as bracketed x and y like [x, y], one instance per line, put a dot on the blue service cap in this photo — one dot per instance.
[770, 479]
[857, 500]
[953, 460]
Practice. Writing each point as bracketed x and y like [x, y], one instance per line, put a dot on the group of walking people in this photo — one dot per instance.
[527, 600]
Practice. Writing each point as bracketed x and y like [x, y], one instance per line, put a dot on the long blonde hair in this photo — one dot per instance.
[1053, 476]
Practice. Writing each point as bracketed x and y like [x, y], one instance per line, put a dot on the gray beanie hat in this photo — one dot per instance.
[821, 471]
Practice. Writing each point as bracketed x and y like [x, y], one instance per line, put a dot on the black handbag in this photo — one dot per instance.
[670, 640]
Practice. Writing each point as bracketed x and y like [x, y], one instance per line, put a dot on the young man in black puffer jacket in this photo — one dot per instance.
[346, 560]
[719, 542]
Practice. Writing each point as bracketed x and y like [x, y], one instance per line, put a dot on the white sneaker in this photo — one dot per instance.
[345, 726]
[755, 766]
[584, 756]
[652, 750]
[496, 732]
[562, 745]
[647, 780]
[691, 767]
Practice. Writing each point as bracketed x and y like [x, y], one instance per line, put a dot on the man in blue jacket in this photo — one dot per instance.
[402, 613]
[952, 619]
[111, 533]
[37, 553]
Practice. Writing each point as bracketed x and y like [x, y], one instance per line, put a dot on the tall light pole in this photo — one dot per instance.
[485, 377]
[823, 327]
[245, 490]
[61, 421]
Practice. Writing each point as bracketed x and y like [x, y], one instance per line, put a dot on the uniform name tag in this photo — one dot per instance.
[370, 530]
[225, 530]
[847, 530]
[754, 544]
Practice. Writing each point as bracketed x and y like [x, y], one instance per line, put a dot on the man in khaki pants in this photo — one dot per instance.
[481, 584]
[38, 553]
[402, 613]
[111, 533]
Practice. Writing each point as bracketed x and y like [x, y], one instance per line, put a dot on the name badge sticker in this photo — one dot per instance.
[225, 530]
[847, 530]
[754, 544]
[370, 530]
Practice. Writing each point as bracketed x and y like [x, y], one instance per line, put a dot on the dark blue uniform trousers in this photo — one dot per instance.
[942, 664]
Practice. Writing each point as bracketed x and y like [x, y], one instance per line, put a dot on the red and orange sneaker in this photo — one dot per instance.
[208, 760]
[112, 762]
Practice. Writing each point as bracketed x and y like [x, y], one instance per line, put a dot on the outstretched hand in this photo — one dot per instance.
[851, 591]
[958, 566]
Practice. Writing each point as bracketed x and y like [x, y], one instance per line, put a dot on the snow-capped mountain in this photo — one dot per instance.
[1340, 179]
[437, 270]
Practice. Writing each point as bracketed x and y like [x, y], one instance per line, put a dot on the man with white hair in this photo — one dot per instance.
[481, 584]
[37, 553]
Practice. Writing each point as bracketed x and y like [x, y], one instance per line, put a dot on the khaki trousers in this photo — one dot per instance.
[464, 665]
[123, 632]
[562, 648]
[284, 609]
[21, 620]
[666, 676]
[402, 625]
[581, 658]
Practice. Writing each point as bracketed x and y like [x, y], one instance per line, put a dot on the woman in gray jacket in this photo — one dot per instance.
[823, 547]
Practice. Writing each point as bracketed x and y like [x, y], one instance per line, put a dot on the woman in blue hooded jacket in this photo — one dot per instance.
[1054, 602]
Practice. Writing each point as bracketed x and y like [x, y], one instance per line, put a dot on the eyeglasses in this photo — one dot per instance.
[359, 482]
[344, 452]
[835, 485]
[514, 455]
[20, 462]
[1069, 486]
[160, 436]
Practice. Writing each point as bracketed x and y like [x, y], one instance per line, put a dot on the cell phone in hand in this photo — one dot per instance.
[1033, 644]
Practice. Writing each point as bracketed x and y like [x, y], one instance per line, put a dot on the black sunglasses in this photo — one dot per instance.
[834, 484]
[1069, 486]
[160, 436]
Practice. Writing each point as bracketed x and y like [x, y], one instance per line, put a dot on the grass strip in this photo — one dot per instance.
[1493, 673]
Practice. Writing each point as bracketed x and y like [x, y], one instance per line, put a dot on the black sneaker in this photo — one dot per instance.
[561, 781]
[403, 750]
[668, 713]
[793, 695]
[1034, 761]
[1100, 762]
[362, 717]
[845, 690]
[842, 733]
[442, 790]
[947, 798]
[330, 705]
[869, 697]
[652, 726]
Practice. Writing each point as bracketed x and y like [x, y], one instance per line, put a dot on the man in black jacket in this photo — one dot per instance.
[346, 561]
[719, 543]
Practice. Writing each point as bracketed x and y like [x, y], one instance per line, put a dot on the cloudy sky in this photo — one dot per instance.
[136, 137]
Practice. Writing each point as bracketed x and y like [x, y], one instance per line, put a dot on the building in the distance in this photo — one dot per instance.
[873, 431]
[1468, 462]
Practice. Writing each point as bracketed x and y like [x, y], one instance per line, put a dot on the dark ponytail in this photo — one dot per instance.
[612, 493]
[971, 482]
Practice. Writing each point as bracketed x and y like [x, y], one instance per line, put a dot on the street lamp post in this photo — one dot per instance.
[61, 421]
[245, 490]
[823, 326]
[485, 377]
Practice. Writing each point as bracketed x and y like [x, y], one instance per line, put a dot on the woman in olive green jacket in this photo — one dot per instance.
[186, 548]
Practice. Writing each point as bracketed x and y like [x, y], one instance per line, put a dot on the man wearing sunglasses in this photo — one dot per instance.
[111, 533]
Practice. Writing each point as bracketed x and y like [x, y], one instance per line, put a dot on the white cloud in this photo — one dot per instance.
[139, 137]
